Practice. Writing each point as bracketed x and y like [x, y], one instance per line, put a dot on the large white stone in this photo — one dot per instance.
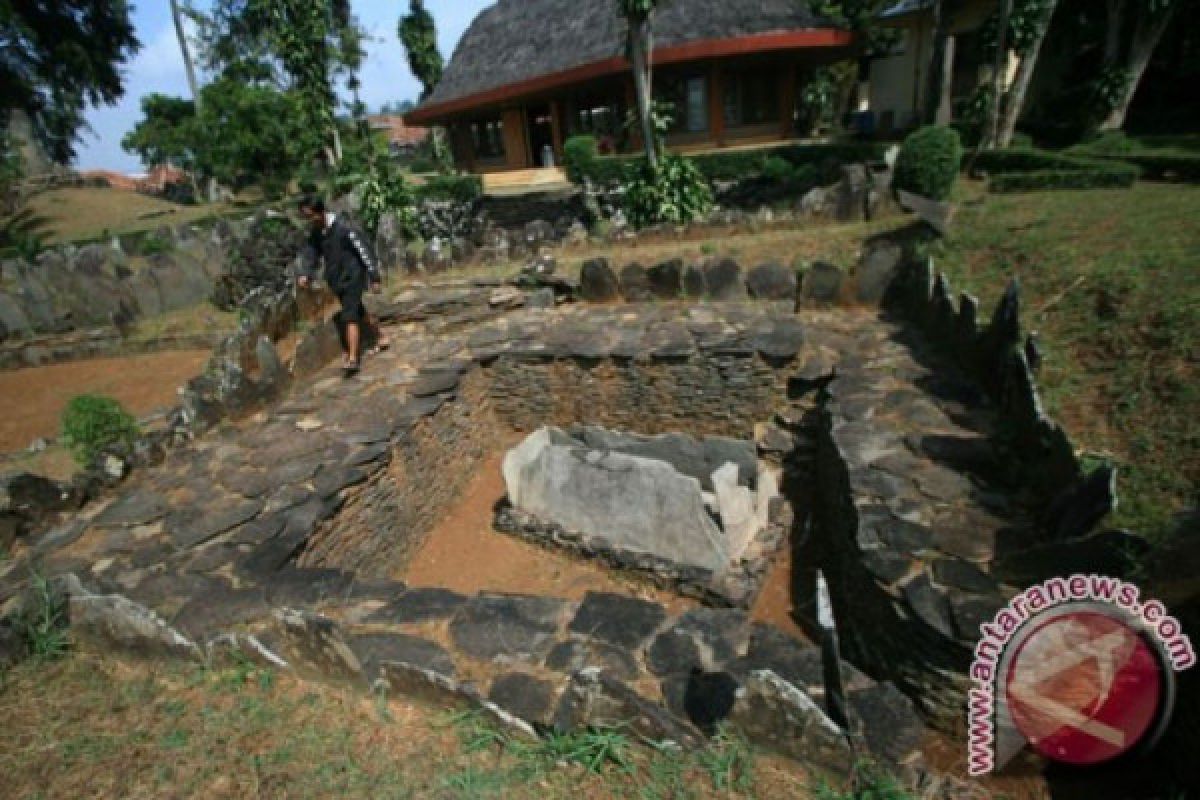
[637, 504]
[736, 505]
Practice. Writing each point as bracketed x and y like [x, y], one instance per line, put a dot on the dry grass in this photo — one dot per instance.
[100, 726]
[81, 214]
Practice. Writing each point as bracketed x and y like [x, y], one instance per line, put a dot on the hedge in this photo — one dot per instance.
[1026, 168]
[1061, 179]
[732, 165]
[458, 188]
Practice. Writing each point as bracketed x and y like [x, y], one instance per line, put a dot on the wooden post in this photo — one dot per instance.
[716, 104]
[787, 101]
[556, 129]
[516, 139]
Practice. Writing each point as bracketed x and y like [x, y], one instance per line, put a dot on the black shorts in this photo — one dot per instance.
[351, 298]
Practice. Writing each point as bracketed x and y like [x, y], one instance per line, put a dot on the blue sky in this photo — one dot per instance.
[158, 67]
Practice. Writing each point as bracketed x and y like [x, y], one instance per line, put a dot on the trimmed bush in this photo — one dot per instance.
[929, 162]
[421, 164]
[1061, 179]
[1024, 169]
[92, 423]
[458, 188]
[579, 157]
[741, 164]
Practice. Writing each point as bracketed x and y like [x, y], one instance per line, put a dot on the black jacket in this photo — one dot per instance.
[349, 261]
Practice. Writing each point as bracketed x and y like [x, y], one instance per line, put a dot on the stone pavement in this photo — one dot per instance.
[279, 535]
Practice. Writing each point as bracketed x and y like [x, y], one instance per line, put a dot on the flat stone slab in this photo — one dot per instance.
[193, 526]
[637, 504]
[515, 628]
[529, 698]
[376, 649]
[617, 619]
[419, 605]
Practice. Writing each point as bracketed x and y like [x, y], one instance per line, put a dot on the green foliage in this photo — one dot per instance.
[637, 9]
[457, 188]
[591, 749]
[733, 165]
[166, 134]
[1157, 160]
[1023, 169]
[929, 162]
[387, 193]
[777, 169]
[21, 234]
[250, 134]
[579, 157]
[867, 783]
[818, 97]
[59, 58]
[12, 172]
[418, 34]
[91, 423]
[421, 164]
[674, 192]
[42, 623]
[862, 17]
[729, 761]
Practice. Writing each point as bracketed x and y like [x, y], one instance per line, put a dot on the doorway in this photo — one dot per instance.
[541, 135]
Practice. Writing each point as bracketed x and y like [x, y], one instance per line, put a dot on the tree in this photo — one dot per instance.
[59, 57]
[298, 46]
[1028, 25]
[166, 134]
[418, 34]
[638, 14]
[1151, 21]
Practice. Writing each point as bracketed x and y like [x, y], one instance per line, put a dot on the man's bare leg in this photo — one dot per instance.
[353, 338]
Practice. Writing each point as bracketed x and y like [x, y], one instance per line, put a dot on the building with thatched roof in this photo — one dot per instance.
[528, 74]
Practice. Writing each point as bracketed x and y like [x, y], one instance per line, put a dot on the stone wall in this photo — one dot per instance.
[707, 394]
[429, 467]
[98, 285]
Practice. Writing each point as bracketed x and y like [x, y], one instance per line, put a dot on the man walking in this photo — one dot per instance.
[350, 268]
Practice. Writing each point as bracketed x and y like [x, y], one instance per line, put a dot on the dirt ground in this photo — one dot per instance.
[33, 399]
[466, 554]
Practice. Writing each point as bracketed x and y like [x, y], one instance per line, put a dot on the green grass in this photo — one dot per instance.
[94, 725]
[1109, 280]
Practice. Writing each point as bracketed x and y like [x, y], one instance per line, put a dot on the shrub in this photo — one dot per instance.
[1022, 169]
[383, 194]
[92, 423]
[1061, 179]
[422, 164]
[674, 192]
[737, 165]
[41, 624]
[458, 188]
[929, 161]
[579, 157]
[777, 169]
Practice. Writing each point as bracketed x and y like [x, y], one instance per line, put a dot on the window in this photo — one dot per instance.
[596, 115]
[688, 96]
[487, 137]
[751, 97]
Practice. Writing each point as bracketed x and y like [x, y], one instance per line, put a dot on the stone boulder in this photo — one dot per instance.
[772, 281]
[724, 280]
[597, 282]
[637, 504]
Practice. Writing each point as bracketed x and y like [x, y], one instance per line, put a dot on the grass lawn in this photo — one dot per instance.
[1111, 281]
[100, 726]
[82, 214]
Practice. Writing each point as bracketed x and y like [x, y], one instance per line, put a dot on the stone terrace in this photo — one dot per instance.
[280, 535]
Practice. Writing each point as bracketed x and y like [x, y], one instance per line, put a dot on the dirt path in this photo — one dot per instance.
[465, 554]
[33, 399]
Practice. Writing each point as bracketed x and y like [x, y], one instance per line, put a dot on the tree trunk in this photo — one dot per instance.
[1112, 37]
[1146, 36]
[945, 102]
[1016, 95]
[933, 80]
[988, 140]
[639, 53]
[187, 54]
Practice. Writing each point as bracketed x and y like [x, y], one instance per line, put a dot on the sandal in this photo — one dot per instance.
[379, 347]
[350, 367]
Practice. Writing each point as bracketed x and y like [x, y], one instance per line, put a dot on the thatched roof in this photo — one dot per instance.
[519, 40]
